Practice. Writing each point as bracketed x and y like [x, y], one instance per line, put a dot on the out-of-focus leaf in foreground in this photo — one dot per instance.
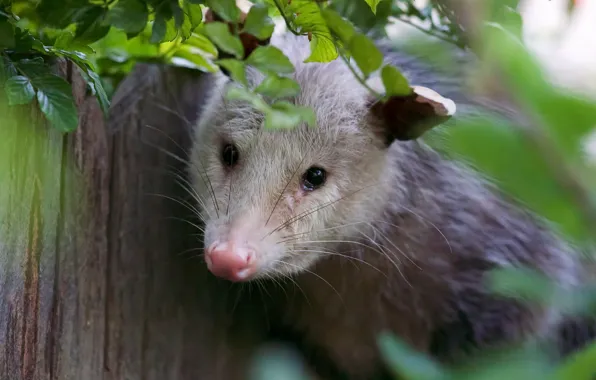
[276, 363]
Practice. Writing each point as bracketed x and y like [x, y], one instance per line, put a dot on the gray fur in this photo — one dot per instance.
[406, 248]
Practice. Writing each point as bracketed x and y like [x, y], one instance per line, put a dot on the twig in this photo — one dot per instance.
[427, 31]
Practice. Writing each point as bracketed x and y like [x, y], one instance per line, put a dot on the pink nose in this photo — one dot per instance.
[229, 261]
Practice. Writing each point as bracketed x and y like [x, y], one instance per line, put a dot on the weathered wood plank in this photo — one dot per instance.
[94, 283]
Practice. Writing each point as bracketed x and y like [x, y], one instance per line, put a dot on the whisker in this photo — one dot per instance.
[284, 189]
[308, 212]
[432, 224]
[314, 274]
[190, 163]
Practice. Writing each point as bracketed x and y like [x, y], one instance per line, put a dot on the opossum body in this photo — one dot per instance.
[376, 236]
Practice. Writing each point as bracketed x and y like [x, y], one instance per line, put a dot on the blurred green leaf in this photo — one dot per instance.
[580, 365]
[498, 150]
[91, 24]
[522, 283]
[193, 18]
[240, 93]
[227, 9]
[339, 26]
[164, 28]
[194, 60]
[201, 42]
[277, 363]
[548, 104]
[366, 54]
[236, 68]
[269, 58]
[275, 86]
[394, 81]
[219, 33]
[19, 90]
[407, 363]
[373, 4]
[129, 15]
[258, 23]
[7, 35]
[285, 115]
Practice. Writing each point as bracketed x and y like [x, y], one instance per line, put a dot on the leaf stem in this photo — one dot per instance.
[283, 15]
[358, 77]
[427, 31]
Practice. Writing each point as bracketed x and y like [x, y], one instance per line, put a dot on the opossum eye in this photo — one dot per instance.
[229, 155]
[313, 178]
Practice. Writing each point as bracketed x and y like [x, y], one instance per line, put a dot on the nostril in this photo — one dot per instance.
[230, 261]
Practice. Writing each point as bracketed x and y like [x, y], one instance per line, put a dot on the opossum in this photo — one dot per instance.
[377, 233]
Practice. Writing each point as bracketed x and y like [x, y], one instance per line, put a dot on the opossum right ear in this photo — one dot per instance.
[407, 117]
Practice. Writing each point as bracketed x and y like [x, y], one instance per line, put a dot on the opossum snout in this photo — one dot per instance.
[230, 261]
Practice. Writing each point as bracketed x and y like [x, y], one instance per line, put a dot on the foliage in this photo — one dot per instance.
[104, 39]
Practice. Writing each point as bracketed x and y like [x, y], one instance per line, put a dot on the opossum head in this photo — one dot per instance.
[274, 202]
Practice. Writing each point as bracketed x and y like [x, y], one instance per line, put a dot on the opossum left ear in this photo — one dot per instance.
[407, 117]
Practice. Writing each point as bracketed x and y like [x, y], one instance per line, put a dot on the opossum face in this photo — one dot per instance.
[274, 202]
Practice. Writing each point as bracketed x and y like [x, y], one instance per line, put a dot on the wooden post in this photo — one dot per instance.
[100, 278]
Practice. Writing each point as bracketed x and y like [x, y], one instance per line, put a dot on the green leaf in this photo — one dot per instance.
[236, 68]
[258, 23]
[407, 363]
[129, 15]
[275, 86]
[193, 59]
[219, 33]
[227, 9]
[64, 40]
[56, 102]
[7, 35]
[365, 53]
[164, 28]
[373, 4]
[158, 32]
[97, 88]
[310, 19]
[580, 365]
[269, 58]
[178, 14]
[285, 115]
[394, 81]
[193, 18]
[342, 28]
[530, 86]
[7, 69]
[242, 94]
[201, 42]
[522, 283]
[521, 173]
[33, 67]
[19, 90]
[275, 363]
[322, 49]
[90, 24]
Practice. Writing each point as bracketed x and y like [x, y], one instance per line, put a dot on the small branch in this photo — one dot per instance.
[427, 31]
[283, 15]
[358, 77]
